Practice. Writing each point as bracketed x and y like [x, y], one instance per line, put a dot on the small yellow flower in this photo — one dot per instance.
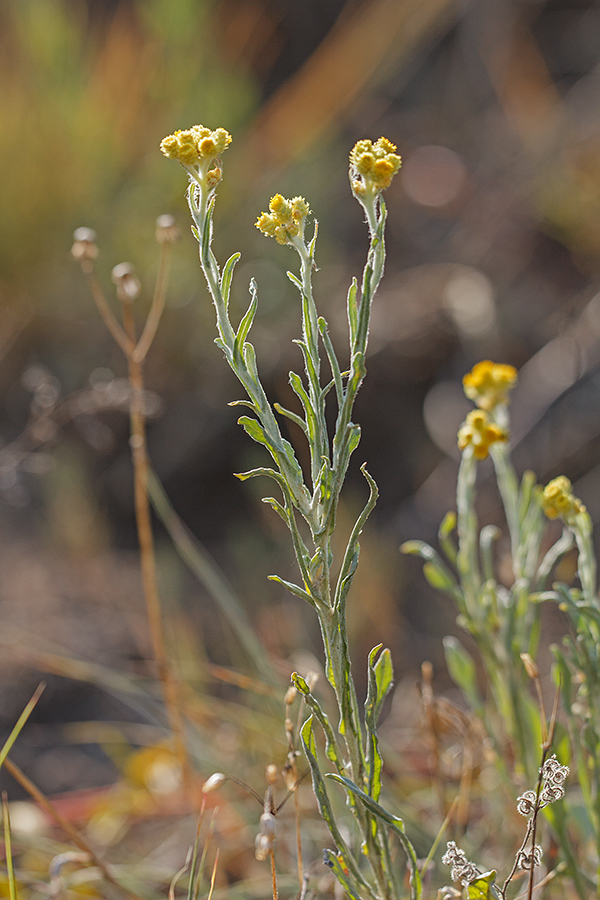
[196, 149]
[559, 502]
[285, 220]
[372, 166]
[488, 384]
[480, 433]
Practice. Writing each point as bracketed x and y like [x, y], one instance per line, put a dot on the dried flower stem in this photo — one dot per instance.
[135, 352]
[139, 455]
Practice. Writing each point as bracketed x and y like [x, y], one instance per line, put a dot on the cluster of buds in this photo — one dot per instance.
[372, 167]
[285, 220]
[559, 502]
[198, 149]
[479, 432]
[553, 788]
[463, 870]
[265, 839]
[488, 384]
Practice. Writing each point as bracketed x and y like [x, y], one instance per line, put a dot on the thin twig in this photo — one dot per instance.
[106, 312]
[273, 875]
[142, 347]
[146, 541]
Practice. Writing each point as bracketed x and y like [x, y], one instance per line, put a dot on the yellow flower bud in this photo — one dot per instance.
[196, 148]
[372, 166]
[285, 220]
[480, 433]
[488, 383]
[559, 502]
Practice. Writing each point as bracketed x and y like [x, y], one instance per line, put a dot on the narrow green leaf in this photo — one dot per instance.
[373, 760]
[384, 676]
[261, 470]
[291, 415]
[10, 871]
[207, 229]
[352, 312]
[462, 669]
[331, 747]
[255, 430]
[320, 791]
[446, 543]
[276, 505]
[8, 743]
[343, 874]
[296, 281]
[438, 578]
[227, 277]
[350, 560]
[246, 323]
[394, 823]
[293, 589]
[487, 536]
[333, 360]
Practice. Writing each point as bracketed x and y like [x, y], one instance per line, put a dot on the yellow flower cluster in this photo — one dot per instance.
[285, 219]
[372, 166]
[559, 502]
[479, 432]
[196, 148]
[488, 383]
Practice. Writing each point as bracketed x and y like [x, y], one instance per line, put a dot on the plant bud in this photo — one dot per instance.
[84, 247]
[167, 231]
[215, 781]
[127, 282]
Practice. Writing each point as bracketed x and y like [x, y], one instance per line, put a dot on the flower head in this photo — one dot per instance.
[196, 149]
[285, 220]
[559, 502]
[480, 432]
[372, 166]
[488, 383]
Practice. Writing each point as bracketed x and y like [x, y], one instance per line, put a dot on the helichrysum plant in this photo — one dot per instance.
[504, 620]
[352, 749]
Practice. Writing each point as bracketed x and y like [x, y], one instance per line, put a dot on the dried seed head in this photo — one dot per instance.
[272, 773]
[530, 666]
[262, 846]
[526, 803]
[290, 695]
[267, 824]
[84, 247]
[529, 859]
[167, 231]
[311, 679]
[127, 282]
[553, 772]
[289, 776]
[213, 783]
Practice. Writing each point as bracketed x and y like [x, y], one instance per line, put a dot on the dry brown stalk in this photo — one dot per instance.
[135, 352]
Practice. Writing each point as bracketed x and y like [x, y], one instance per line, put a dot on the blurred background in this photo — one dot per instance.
[493, 252]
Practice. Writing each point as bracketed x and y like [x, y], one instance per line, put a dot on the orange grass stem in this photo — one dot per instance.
[69, 829]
